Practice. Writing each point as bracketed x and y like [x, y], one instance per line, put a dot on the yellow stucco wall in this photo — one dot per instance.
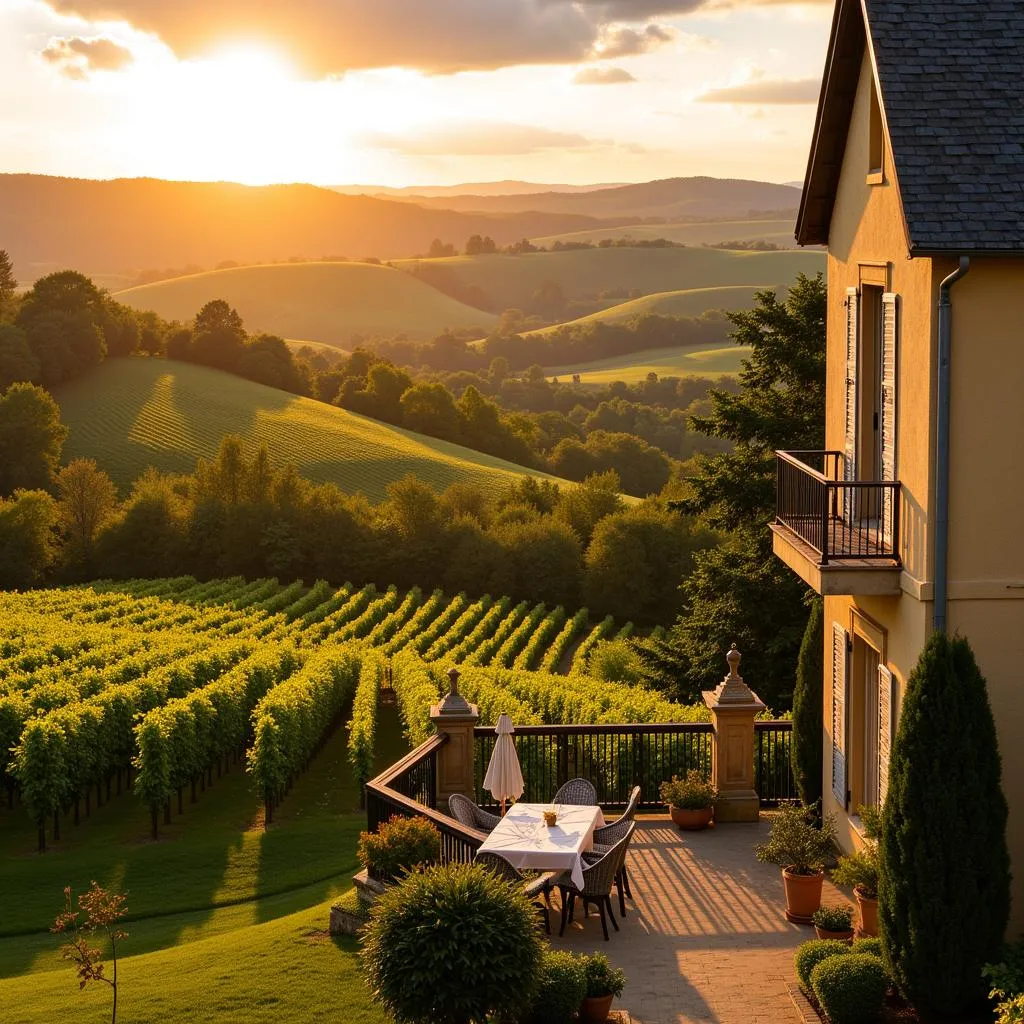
[987, 459]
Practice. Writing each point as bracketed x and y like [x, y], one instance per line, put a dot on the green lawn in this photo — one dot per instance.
[133, 413]
[327, 302]
[665, 362]
[227, 921]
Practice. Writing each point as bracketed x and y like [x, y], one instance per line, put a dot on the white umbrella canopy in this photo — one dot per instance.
[504, 778]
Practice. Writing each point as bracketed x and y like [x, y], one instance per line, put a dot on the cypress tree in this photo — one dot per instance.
[806, 751]
[944, 872]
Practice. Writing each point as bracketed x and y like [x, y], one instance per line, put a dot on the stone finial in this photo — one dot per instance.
[453, 702]
[732, 689]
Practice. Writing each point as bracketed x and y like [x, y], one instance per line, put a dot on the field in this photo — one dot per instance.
[511, 281]
[780, 232]
[688, 302]
[133, 413]
[227, 908]
[328, 302]
[665, 362]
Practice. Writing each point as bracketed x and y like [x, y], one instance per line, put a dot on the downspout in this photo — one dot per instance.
[942, 447]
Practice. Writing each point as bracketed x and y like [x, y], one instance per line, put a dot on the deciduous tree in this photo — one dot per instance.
[31, 438]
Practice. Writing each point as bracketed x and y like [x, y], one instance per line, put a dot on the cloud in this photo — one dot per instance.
[324, 37]
[602, 76]
[77, 56]
[622, 41]
[480, 139]
[766, 90]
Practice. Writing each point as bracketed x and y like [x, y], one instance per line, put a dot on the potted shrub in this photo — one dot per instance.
[690, 801]
[399, 845]
[604, 983]
[860, 871]
[801, 848]
[834, 923]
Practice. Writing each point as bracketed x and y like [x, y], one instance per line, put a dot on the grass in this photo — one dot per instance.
[328, 302]
[134, 413]
[665, 362]
[687, 302]
[227, 921]
[511, 281]
[780, 232]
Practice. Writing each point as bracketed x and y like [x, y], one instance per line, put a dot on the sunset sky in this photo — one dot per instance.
[400, 92]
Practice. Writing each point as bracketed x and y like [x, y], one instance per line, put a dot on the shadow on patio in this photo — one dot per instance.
[705, 939]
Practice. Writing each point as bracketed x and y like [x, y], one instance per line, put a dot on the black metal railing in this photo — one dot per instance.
[773, 772]
[408, 789]
[837, 518]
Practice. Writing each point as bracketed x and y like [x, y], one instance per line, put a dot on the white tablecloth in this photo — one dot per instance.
[522, 838]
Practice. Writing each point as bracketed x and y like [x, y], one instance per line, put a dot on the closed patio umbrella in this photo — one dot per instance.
[504, 777]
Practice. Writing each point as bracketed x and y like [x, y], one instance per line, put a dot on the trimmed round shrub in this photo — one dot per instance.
[809, 954]
[867, 945]
[399, 845]
[561, 986]
[850, 989]
[452, 945]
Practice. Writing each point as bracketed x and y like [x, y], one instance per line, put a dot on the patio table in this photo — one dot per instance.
[522, 838]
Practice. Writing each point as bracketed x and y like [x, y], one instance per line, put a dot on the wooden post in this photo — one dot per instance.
[734, 706]
[456, 717]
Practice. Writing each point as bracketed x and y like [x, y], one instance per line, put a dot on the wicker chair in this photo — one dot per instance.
[535, 888]
[577, 792]
[464, 810]
[598, 879]
[606, 837]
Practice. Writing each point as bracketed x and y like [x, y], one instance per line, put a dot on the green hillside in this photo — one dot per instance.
[513, 280]
[665, 362]
[688, 302]
[326, 302]
[134, 413]
[713, 232]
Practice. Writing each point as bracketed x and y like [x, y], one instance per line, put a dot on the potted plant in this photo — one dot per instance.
[860, 870]
[834, 923]
[801, 847]
[604, 983]
[690, 801]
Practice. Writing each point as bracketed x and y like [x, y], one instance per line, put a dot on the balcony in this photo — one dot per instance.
[839, 536]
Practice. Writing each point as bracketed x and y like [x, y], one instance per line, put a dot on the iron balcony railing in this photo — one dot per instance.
[837, 518]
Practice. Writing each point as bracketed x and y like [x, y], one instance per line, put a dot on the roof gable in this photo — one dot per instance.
[951, 78]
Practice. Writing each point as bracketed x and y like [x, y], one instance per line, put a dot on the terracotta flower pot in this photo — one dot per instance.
[803, 895]
[824, 933]
[595, 1009]
[868, 906]
[692, 821]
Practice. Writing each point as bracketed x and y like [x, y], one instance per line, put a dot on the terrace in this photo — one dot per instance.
[705, 938]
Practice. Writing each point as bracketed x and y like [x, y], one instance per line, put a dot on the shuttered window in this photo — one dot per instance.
[850, 442]
[887, 420]
[885, 730]
[839, 662]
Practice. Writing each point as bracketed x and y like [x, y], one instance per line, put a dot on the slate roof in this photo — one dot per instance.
[952, 82]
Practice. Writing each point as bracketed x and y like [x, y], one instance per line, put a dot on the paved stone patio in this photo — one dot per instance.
[705, 939]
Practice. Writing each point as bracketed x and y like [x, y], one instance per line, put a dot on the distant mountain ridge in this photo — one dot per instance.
[49, 223]
[474, 188]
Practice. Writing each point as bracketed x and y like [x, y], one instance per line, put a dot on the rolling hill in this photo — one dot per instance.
[113, 227]
[511, 281]
[776, 230]
[698, 198]
[134, 413]
[688, 302]
[713, 361]
[326, 302]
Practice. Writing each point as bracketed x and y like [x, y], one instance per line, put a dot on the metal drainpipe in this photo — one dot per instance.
[942, 447]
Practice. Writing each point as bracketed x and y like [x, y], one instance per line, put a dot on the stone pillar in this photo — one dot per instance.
[734, 706]
[456, 717]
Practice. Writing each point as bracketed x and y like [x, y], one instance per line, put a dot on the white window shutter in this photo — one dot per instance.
[839, 661]
[887, 424]
[884, 730]
[850, 442]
